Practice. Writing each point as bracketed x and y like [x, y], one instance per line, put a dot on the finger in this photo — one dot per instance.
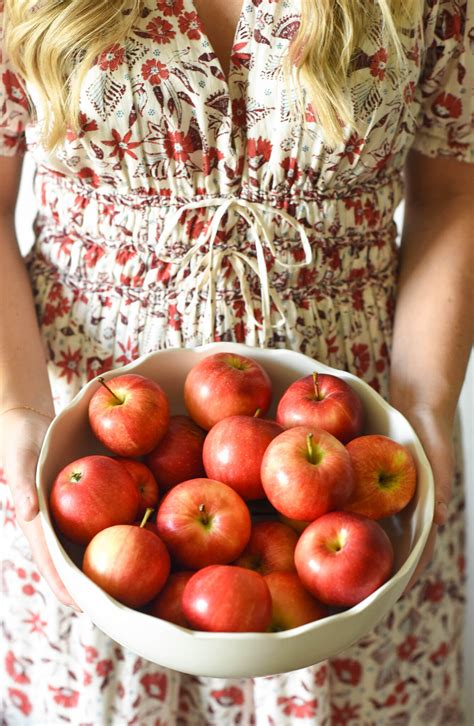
[35, 535]
[20, 469]
[425, 559]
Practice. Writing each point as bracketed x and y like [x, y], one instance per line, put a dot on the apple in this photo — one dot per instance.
[167, 605]
[306, 472]
[178, 456]
[384, 476]
[271, 547]
[129, 414]
[299, 525]
[342, 558]
[203, 522]
[292, 605]
[90, 494]
[324, 401]
[144, 481]
[227, 599]
[130, 563]
[226, 384]
[233, 452]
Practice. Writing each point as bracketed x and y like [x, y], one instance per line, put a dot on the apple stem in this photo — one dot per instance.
[316, 385]
[204, 517]
[146, 516]
[309, 446]
[257, 413]
[103, 383]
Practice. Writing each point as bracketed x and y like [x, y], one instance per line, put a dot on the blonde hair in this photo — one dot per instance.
[53, 43]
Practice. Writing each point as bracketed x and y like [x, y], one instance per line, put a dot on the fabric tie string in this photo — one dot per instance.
[206, 269]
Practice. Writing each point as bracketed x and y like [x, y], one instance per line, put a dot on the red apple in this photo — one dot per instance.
[271, 547]
[384, 476]
[203, 522]
[178, 456]
[167, 605]
[306, 473]
[233, 452]
[226, 384]
[227, 599]
[322, 401]
[91, 494]
[299, 525]
[342, 558]
[129, 414]
[130, 563]
[292, 605]
[144, 481]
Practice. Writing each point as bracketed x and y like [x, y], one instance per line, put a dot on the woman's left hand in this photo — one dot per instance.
[435, 431]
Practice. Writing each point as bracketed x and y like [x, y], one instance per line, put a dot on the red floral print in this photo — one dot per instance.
[66, 697]
[347, 670]
[69, 364]
[295, 706]
[178, 146]
[406, 649]
[154, 71]
[190, 24]
[20, 701]
[14, 91]
[15, 669]
[161, 31]
[229, 696]
[378, 64]
[352, 148]
[170, 7]
[447, 106]
[111, 58]
[122, 145]
[155, 685]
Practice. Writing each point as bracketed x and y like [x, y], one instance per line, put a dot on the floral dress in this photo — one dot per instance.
[194, 207]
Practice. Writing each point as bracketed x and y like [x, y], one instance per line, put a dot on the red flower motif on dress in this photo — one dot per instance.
[13, 89]
[259, 148]
[111, 58]
[161, 31]
[70, 364]
[352, 148]
[20, 700]
[66, 697]
[190, 24]
[297, 707]
[93, 254]
[344, 715]
[406, 649]
[85, 125]
[229, 696]
[290, 167]
[239, 112]
[361, 354]
[154, 71]
[347, 670]
[320, 676]
[96, 366]
[211, 159]
[155, 685]
[122, 145]
[15, 668]
[446, 105]
[178, 146]
[434, 591]
[174, 317]
[104, 667]
[91, 653]
[440, 654]
[130, 352]
[170, 7]
[378, 64]
[37, 625]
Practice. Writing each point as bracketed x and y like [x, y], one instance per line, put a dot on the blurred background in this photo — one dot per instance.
[25, 213]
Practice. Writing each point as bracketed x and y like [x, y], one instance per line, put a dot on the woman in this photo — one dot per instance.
[192, 136]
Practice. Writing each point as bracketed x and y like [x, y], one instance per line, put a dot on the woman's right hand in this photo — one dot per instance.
[22, 433]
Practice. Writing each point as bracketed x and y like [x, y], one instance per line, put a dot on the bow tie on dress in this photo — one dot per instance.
[206, 269]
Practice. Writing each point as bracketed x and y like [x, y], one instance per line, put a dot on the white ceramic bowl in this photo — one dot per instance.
[233, 654]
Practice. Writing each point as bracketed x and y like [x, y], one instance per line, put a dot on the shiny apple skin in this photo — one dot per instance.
[135, 426]
[227, 599]
[342, 558]
[168, 605]
[130, 563]
[384, 476]
[196, 539]
[292, 605]
[296, 487]
[144, 481]
[226, 384]
[233, 452]
[90, 494]
[178, 456]
[339, 410]
[271, 547]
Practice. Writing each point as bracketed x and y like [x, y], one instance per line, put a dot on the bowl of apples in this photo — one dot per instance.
[231, 511]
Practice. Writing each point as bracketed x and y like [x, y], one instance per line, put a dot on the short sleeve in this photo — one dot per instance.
[445, 124]
[14, 104]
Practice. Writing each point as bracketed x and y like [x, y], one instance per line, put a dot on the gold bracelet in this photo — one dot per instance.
[27, 408]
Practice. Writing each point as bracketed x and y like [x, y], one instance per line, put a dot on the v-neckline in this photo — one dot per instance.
[227, 78]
